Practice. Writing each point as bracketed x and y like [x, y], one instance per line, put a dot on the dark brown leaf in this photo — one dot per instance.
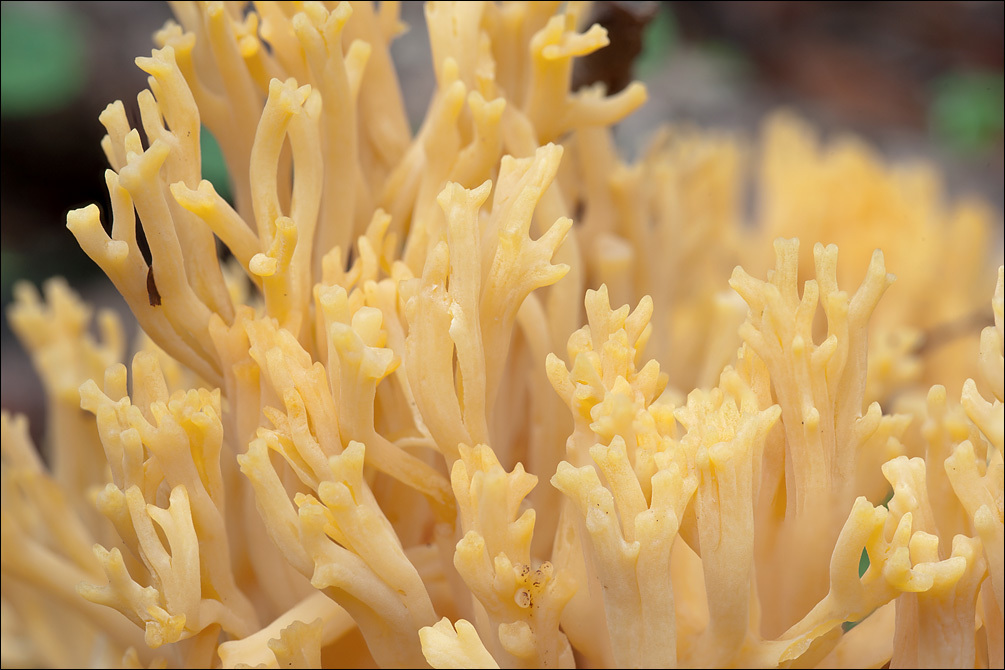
[612, 65]
[152, 292]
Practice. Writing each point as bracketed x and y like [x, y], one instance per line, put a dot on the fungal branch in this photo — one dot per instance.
[55, 327]
[520, 601]
[472, 287]
[819, 388]
[161, 448]
[628, 524]
[328, 444]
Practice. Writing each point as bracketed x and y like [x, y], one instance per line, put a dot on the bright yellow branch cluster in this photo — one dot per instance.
[375, 429]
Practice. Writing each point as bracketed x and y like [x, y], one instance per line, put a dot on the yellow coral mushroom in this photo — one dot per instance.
[407, 420]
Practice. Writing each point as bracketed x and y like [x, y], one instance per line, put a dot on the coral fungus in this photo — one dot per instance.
[366, 424]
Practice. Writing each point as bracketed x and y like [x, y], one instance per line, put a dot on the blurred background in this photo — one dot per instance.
[918, 80]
